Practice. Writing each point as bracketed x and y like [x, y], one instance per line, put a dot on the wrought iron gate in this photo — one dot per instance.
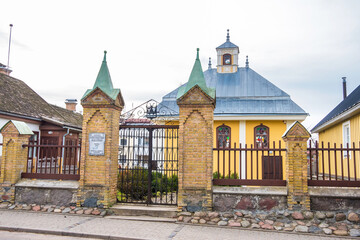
[148, 164]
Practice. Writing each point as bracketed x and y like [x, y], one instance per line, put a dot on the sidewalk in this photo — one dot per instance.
[109, 228]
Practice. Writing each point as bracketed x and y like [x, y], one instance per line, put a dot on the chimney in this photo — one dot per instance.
[71, 104]
[344, 87]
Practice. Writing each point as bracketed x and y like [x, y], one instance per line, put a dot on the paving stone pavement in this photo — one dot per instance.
[107, 228]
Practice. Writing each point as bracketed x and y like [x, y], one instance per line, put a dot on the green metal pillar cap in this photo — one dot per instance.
[196, 78]
[103, 82]
[22, 127]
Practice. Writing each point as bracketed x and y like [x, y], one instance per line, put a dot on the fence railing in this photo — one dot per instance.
[0, 155]
[249, 165]
[53, 162]
[333, 165]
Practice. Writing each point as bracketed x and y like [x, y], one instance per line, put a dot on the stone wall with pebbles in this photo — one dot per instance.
[55, 209]
[336, 223]
[226, 202]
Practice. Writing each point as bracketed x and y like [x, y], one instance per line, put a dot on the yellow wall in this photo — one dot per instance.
[276, 131]
[171, 149]
[343, 165]
[254, 159]
[355, 129]
[332, 135]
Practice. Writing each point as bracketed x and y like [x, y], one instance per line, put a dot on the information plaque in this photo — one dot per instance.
[96, 144]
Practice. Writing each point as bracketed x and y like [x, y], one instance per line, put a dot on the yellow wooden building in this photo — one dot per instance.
[250, 110]
[341, 129]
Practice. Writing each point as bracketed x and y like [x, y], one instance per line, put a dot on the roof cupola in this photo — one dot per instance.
[227, 56]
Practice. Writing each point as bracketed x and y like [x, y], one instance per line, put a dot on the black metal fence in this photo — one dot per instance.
[148, 164]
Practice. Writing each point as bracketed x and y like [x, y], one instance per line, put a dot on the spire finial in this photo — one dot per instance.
[197, 54]
[209, 66]
[247, 62]
[105, 52]
[228, 36]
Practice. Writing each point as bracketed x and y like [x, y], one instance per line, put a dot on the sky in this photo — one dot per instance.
[303, 47]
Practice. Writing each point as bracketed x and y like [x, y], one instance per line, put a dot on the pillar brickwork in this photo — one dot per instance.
[98, 173]
[296, 167]
[14, 159]
[196, 115]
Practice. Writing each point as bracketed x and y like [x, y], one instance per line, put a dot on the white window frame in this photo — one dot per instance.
[346, 137]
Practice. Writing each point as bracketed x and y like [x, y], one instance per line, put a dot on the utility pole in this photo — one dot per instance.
[8, 63]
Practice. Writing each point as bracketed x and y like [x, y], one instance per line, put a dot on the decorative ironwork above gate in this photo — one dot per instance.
[148, 113]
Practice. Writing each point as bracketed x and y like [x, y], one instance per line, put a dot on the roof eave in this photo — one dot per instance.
[283, 117]
[339, 118]
[20, 116]
[61, 124]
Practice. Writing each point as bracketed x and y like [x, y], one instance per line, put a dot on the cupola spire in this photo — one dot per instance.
[228, 36]
[247, 62]
[209, 66]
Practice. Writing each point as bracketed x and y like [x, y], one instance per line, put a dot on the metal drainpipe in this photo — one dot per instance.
[63, 149]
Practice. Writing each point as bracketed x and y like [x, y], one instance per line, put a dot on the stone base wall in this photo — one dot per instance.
[92, 196]
[46, 192]
[275, 198]
[334, 203]
[249, 198]
[226, 202]
[7, 192]
[195, 200]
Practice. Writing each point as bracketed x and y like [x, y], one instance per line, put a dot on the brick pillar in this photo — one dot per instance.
[196, 115]
[14, 158]
[296, 167]
[99, 149]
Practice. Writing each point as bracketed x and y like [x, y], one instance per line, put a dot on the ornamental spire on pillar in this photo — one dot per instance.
[196, 78]
[104, 83]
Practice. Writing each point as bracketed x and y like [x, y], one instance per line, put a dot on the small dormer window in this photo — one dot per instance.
[227, 59]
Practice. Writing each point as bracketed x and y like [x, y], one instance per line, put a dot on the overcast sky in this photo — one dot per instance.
[303, 47]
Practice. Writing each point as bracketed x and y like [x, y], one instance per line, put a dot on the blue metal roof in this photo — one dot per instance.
[243, 93]
[227, 44]
[350, 101]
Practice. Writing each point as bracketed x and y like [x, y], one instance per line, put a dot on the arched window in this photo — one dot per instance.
[261, 134]
[227, 59]
[223, 136]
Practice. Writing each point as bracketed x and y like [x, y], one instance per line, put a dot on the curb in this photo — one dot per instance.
[266, 230]
[51, 213]
[63, 233]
